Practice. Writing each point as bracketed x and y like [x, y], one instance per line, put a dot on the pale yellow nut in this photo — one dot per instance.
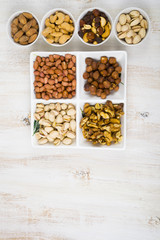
[66, 18]
[43, 141]
[63, 31]
[57, 34]
[53, 18]
[94, 30]
[66, 26]
[106, 33]
[85, 39]
[46, 31]
[63, 39]
[56, 40]
[60, 18]
[102, 21]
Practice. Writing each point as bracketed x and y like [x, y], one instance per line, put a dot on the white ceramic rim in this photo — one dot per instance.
[52, 11]
[82, 15]
[9, 28]
[127, 10]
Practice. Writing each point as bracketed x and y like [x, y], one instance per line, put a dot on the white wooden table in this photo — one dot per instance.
[80, 194]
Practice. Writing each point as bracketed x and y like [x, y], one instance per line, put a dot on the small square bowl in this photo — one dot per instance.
[43, 25]
[121, 58]
[9, 29]
[127, 10]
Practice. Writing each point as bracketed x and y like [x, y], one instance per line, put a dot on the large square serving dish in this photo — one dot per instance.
[82, 97]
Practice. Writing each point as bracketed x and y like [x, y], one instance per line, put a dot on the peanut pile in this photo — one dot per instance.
[55, 76]
[101, 123]
[102, 76]
[24, 28]
[57, 123]
[59, 28]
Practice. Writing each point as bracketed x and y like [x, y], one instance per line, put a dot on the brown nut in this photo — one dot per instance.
[112, 60]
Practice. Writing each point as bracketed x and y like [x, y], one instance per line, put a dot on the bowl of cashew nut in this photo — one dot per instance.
[58, 27]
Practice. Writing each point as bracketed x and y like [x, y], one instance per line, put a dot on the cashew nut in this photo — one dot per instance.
[60, 17]
[64, 39]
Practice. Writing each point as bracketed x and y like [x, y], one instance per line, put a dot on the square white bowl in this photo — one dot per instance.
[83, 97]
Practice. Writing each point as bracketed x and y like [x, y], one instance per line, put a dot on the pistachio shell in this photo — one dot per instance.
[122, 35]
[124, 28]
[71, 134]
[130, 33]
[136, 28]
[57, 141]
[134, 14]
[135, 22]
[128, 18]
[122, 19]
[136, 39]
[42, 141]
[142, 32]
[118, 27]
[128, 40]
[67, 141]
[144, 23]
[54, 134]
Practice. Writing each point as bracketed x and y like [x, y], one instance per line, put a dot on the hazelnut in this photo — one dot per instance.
[95, 83]
[86, 87]
[103, 95]
[90, 80]
[118, 69]
[94, 65]
[90, 36]
[99, 91]
[96, 12]
[82, 23]
[110, 79]
[88, 61]
[85, 75]
[107, 91]
[104, 59]
[104, 73]
[101, 67]
[106, 84]
[100, 79]
[96, 75]
[115, 75]
[116, 88]
[100, 85]
[89, 68]
[110, 69]
[118, 80]
[112, 60]
[100, 30]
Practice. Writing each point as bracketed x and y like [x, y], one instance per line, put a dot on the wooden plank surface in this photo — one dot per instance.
[79, 194]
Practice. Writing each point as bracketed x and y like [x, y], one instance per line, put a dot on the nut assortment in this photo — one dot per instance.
[56, 123]
[24, 29]
[59, 28]
[101, 123]
[102, 76]
[132, 27]
[55, 76]
[94, 27]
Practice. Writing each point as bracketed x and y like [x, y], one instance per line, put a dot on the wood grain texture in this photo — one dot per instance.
[79, 194]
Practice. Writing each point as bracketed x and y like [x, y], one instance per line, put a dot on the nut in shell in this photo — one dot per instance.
[136, 39]
[142, 32]
[122, 19]
[134, 14]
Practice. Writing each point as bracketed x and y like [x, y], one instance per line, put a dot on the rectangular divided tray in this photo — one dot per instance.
[83, 97]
